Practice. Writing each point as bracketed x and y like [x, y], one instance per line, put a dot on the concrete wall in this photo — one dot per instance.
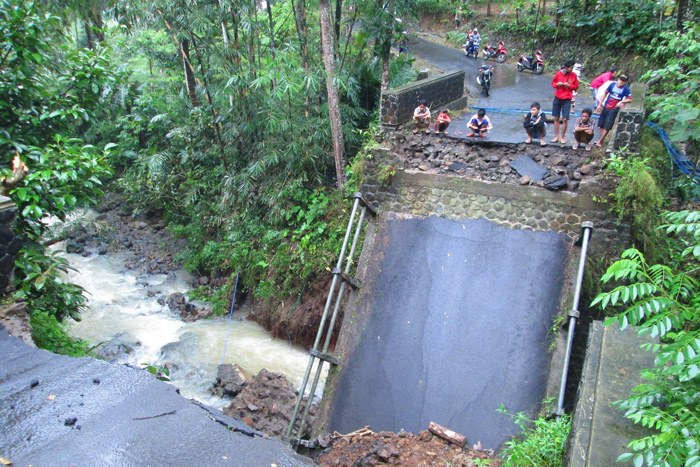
[398, 104]
[630, 120]
[514, 206]
[9, 244]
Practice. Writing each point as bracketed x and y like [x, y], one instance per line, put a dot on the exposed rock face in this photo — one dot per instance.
[116, 348]
[267, 404]
[15, 319]
[230, 380]
[188, 312]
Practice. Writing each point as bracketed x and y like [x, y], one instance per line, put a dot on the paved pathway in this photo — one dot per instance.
[511, 91]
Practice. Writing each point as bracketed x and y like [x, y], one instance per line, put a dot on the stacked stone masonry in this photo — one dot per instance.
[9, 244]
[515, 207]
[398, 104]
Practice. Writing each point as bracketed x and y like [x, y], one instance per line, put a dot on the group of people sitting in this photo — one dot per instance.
[479, 124]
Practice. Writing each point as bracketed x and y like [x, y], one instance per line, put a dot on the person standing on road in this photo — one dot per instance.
[565, 82]
[617, 95]
[600, 80]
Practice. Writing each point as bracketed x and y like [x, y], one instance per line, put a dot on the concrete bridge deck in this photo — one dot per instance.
[454, 321]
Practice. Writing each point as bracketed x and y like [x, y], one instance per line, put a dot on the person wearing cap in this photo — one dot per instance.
[600, 80]
[565, 82]
[616, 95]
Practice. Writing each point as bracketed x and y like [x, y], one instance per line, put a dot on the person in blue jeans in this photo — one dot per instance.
[535, 124]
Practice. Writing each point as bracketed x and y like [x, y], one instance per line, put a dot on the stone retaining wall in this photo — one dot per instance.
[513, 206]
[398, 104]
[9, 244]
[631, 120]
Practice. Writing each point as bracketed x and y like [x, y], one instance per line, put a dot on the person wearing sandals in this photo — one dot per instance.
[583, 129]
[421, 115]
[535, 124]
[442, 121]
[617, 95]
[565, 82]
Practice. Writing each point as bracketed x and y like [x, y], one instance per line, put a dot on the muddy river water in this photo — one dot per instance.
[123, 305]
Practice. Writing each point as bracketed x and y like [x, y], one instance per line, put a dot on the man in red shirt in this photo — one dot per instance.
[565, 82]
[600, 80]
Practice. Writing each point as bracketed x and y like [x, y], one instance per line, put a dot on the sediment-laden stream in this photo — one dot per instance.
[123, 306]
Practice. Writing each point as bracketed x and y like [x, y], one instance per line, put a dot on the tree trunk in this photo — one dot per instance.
[338, 17]
[682, 9]
[488, 8]
[272, 28]
[332, 90]
[189, 75]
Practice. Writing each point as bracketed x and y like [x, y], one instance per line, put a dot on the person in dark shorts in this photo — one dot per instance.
[616, 96]
[565, 82]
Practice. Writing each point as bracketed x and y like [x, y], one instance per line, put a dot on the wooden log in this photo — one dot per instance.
[447, 434]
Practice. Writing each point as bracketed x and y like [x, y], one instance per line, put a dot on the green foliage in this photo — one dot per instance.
[622, 24]
[663, 302]
[50, 334]
[436, 7]
[676, 106]
[540, 443]
[638, 199]
[48, 88]
[160, 372]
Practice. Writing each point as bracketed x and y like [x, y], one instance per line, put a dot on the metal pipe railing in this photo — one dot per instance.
[586, 228]
[329, 333]
[319, 334]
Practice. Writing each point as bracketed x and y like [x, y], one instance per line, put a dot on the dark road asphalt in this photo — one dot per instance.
[511, 90]
[458, 325]
[125, 417]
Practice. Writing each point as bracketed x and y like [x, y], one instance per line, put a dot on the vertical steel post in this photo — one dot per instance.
[319, 334]
[586, 228]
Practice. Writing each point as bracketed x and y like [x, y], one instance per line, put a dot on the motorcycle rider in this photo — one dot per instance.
[476, 38]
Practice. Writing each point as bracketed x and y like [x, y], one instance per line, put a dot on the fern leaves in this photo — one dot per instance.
[663, 303]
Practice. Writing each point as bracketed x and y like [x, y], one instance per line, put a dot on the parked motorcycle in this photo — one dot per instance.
[499, 53]
[484, 78]
[535, 64]
[470, 48]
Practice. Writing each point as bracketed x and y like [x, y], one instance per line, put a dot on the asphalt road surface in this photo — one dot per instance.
[459, 323]
[62, 411]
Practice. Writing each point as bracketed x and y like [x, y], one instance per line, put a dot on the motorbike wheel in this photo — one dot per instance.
[486, 89]
[500, 58]
[520, 67]
[539, 69]
[485, 55]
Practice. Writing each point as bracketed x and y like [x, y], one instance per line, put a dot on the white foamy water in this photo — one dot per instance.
[120, 307]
